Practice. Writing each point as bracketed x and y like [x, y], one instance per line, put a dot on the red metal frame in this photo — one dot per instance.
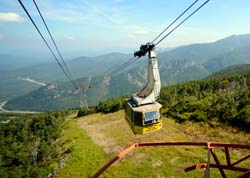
[210, 146]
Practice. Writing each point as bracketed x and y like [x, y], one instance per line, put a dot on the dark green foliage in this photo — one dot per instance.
[108, 106]
[111, 105]
[198, 116]
[226, 99]
[28, 144]
[84, 111]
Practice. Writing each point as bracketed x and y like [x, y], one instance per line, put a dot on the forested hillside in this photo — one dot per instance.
[29, 144]
[240, 69]
[224, 99]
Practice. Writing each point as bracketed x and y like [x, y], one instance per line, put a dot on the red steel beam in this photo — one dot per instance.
[172, 144]
[218, 164]
[195, 167]
[227, 156]
[245, 175]
[242, 159]
[208, 144]
[226, 167]
[228, 145]
[119, 156]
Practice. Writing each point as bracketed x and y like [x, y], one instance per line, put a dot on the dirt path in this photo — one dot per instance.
[95, 127]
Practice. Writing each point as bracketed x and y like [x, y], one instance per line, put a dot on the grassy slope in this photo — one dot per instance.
[95, 139]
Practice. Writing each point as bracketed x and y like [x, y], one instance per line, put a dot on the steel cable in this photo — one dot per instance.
[58, 51]
[182, 22]
[132, 60]
[175, 20]
[128, 62]
[58, 62]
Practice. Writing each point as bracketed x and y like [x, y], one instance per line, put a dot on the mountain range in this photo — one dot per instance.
[191, 62]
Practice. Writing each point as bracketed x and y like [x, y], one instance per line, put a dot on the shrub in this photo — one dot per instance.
[198, 116]
[84, 111]
[111, 105]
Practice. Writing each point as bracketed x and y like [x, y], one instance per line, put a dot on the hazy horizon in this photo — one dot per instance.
[91, 28]
[46, 56]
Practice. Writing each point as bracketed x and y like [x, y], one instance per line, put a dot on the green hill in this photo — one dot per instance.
[56, 96]
[225, 99]
[240, 69]
[63, 96]
[192, 62]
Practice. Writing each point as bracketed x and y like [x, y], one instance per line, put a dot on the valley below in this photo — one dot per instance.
[2, 110]
[178, 65]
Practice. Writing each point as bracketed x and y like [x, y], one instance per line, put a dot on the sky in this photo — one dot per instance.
[95, 27]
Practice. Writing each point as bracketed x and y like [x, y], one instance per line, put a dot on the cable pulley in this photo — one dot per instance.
[144, 49]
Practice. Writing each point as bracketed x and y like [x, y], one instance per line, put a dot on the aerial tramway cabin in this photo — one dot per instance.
[142, 111]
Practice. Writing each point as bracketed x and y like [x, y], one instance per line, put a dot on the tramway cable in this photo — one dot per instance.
[120, 67]
[175, 20]
[44, 40]
[182, 22]
[57, 49]
[132, 60]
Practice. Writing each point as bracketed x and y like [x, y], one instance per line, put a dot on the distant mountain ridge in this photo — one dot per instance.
[191, 62]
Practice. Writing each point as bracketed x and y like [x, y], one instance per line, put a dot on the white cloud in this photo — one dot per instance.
[71, 38]
[136, 33]
[11, 17]
[131, 36]
[141, 32]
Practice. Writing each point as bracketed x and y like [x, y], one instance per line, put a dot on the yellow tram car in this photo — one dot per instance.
[143, 119]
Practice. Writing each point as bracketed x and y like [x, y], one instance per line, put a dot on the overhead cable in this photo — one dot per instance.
[182, 22]
[58, 62]
[120, 67]
[132, 60]
[123, 67]
[175, 20]
[47, 28]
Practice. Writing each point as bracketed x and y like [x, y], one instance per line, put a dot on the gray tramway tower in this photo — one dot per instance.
[151, 92]
[83, 86]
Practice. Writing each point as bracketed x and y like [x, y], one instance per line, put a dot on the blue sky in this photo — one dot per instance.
[93, 27]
